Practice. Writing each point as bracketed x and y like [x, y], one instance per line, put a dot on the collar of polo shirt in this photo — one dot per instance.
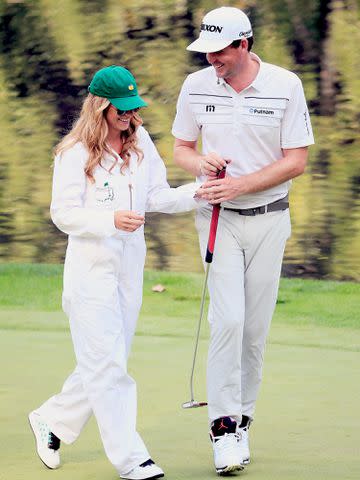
[258, 80]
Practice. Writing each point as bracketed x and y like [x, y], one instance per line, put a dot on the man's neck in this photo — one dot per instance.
[245, 76]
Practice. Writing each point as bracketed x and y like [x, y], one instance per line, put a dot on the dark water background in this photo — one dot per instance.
[49, 51]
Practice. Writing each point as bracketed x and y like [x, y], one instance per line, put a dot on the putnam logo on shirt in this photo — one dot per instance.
[261, 111]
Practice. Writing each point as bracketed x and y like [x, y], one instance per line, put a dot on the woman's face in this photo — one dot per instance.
[118, 120]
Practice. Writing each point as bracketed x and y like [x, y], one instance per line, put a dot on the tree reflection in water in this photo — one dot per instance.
[49, 50]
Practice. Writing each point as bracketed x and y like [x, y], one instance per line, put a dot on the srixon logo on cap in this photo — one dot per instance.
[211, 28]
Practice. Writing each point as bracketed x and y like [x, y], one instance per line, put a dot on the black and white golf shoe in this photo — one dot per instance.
[47, 444]
[225, 441]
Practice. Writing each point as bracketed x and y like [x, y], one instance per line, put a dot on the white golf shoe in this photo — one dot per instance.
[244, 445]
[225, 441]
[47, 444]
[145, 471]
[244, 441]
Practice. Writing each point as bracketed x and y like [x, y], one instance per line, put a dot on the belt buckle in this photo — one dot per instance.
[251, 212]
[259, 210]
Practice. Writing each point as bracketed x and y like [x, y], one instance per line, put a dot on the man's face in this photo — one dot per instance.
[227, 62]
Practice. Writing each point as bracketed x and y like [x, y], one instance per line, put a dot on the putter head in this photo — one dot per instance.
[194, 404]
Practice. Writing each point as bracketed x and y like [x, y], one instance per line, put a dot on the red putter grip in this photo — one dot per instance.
[213, 225]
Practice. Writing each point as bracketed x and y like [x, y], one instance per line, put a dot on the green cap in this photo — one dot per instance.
[118, 85]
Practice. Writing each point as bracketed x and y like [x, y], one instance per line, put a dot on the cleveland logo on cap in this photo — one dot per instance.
[211, 28]
[246, 34]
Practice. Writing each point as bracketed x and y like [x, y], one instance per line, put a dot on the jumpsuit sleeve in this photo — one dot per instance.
[162, 198]
[68, 193]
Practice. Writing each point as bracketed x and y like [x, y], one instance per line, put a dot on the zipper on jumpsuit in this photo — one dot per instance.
[130, 184]
[131, 197]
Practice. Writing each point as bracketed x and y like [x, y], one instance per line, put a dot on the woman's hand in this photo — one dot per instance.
[128, 220]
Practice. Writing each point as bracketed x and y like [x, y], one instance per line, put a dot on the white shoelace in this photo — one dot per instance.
[44, 431]
[225, 443]
[46, 435]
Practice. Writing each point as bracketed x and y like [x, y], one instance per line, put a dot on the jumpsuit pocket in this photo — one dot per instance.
[104, 195]
[96, 323]
[111, 191]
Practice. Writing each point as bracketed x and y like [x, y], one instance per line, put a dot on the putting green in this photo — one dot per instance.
[307, 424]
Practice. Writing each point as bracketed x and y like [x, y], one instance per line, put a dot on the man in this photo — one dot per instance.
[252, 118]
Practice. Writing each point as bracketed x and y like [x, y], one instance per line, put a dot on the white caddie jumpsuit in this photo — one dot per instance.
[102, 295]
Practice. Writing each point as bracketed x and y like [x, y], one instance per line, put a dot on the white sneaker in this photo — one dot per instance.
[144, 471]
[244, 445]
[47, 444]
[225, 441]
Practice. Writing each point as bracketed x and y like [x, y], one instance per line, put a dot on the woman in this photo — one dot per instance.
[107, 174]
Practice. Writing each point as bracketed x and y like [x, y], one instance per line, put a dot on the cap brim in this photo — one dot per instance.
[208, 46]
[128, 103]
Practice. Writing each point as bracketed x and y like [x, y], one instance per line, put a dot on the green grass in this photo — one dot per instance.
[30, 286]
[307, 423]
[35, 287]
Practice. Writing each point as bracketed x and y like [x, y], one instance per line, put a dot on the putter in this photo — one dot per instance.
[208, 259]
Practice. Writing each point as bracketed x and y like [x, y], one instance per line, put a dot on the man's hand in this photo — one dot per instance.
[127, 220]
[221, 190]
[211, 164]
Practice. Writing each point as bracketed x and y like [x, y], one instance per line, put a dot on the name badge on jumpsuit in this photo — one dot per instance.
[104, 194]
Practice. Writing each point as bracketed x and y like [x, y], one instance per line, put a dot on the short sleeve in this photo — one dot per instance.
[296, 130]
[185, 126]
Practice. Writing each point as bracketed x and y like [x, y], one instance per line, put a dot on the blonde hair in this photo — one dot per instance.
[91, 129]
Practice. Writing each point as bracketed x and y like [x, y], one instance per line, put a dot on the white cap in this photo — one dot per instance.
[220, 28]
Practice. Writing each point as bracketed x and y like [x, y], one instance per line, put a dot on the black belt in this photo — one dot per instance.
[281, 204]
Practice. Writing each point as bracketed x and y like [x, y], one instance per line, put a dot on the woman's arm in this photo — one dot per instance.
[162, 198]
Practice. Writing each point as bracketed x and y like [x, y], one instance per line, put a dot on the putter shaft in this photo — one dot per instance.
[198, 331]
[208, 259]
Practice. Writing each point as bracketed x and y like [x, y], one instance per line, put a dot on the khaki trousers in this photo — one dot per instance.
[243, 286]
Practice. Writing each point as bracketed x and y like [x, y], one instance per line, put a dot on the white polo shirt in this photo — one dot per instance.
[251, 127]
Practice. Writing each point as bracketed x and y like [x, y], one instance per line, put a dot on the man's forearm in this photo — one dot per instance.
[286, 168]
[290, 166]
[188, 158]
